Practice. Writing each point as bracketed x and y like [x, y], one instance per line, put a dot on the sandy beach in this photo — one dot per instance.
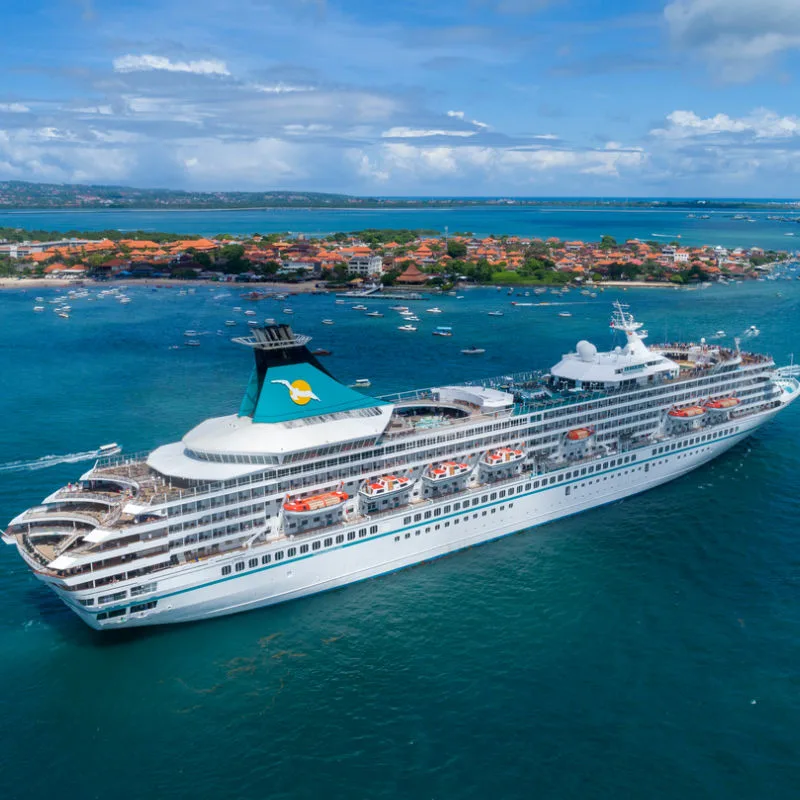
[169, 283]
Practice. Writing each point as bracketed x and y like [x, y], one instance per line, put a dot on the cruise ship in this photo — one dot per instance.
[313, 485]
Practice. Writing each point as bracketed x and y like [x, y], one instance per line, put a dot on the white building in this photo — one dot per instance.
[365, 266]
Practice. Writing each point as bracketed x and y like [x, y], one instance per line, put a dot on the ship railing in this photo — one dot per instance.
[121, 459]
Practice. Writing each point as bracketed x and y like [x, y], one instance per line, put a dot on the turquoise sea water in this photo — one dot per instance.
[566, 223]
[645, 649]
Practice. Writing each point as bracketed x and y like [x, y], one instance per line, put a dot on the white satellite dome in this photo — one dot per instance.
[586, 350]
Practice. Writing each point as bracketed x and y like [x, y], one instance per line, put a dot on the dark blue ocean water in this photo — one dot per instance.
[649, 648]
[566, 223]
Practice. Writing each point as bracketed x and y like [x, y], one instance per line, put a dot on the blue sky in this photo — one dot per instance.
[476, 97]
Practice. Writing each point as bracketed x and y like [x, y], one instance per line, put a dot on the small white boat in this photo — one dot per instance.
[38, 309]
[62, 314]
[564, 314]
[473, 351]
[340, 302]
[230, 322]
[361, 383]
[406, 328]
[719, 334]
[190, 333]
[192, 343]
[495, 313]
[40, 299]
[237, 308]
[434, 310]
[250, 312]
[288, 311]
[443, 331]
[359, 307]
[124, 300]
[109, 449]
[398, 308]
[269, 321]
[252, 323]
[328, 322]
[373, 314]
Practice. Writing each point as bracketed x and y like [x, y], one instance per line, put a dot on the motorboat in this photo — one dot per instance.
[192, 343]
[434, 310]
[230, 322]
[564, 314]
[191, 333]
[321, 351]
[406, 328]
[250, 312]
[359, 307]
[327, 322]
[288, 311]
[495, 313]
[361, 383]
[373, 314]
[473, 351]
[443, 331]
[38, 309]
[109, 449]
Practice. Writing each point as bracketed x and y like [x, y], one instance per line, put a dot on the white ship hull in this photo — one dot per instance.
[199, 592]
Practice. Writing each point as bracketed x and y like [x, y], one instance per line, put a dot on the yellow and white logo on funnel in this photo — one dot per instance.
[299, 391]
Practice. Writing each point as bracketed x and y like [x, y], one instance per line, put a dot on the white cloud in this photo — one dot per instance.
[456, 114]
[401, 132]
[14, 108]
[738, 38]
[148, 63]
[760, 124]
[282, 88]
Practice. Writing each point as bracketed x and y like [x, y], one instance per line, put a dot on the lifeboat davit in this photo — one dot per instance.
[385, 485]
[579, 434]
[503, 457]
[328, 501]
[687, 412]
[446, 471]
[723, 403]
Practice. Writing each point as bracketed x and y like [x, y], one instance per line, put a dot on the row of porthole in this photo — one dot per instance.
[456, 521]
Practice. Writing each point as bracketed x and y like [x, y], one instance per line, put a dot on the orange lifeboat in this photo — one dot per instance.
[503, 457]
[446, 471]
[687, 412]
[723, 403]
[316, 503]
[579, 434]
[388, 484]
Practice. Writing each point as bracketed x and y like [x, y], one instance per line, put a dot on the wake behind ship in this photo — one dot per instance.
[313, 485]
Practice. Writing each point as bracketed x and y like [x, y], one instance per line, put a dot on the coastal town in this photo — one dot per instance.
[375, 257]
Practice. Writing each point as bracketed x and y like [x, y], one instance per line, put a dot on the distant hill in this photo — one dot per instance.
[26, 195]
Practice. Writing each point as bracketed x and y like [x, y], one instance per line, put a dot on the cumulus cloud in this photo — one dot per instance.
[281, 88]
[760, 124]
[738, 38]
[14, 108]
[401, 132]
[148, 63]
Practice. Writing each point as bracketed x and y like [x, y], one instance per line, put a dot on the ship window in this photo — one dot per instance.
[103, 615]
[89, 601]
[316, 545]
[528, 486]
[493, 510]
[417, 517]
[373, 529]
[436, 527]
[503, 493]
[303, 548]
[475, 515]
[144, 606]
[456, 506]
[536, 484]
[427, 515]
[493, 496]
[484, 498]
[511, 505]
[406, 520]
[408, 536]
[351, 535]
[328, 542]
[397, 538]
[362, 533]
[446, 509]
[437, 512]
[110, 598]
[253, 562]
[475, 501]
[428, 529]
[483, 514]
[456, 521]
[553, 479]
[266, 559]
[226, 570]
[279, 555]
[340, 538]
[447, 524]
